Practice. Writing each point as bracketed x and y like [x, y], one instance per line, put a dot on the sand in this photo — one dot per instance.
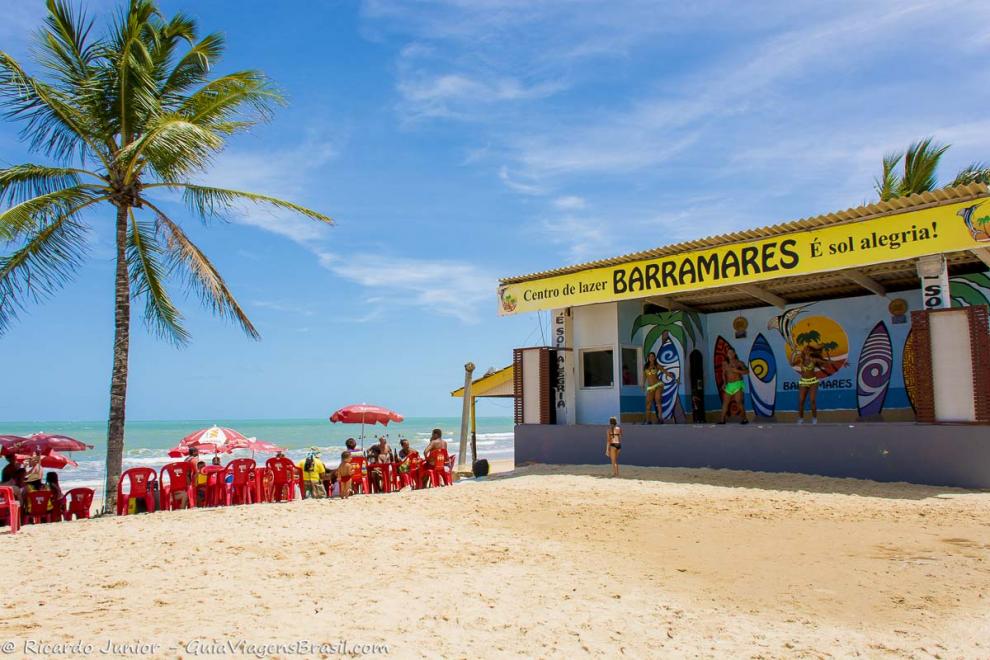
[537, 562]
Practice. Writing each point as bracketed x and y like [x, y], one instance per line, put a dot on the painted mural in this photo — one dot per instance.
[973, 289]
[668, 336]
[762, 377]
[876, 364]
[907, 371]
[859, 343]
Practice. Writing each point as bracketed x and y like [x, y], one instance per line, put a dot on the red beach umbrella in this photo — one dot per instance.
[9, 442]
[51, 460]
[254, 445]
[362, 413]
[214, 435]
[45, 442]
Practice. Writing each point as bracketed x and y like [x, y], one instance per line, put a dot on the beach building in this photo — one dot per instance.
[891, 296]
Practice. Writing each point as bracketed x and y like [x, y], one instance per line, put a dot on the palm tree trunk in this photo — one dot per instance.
[118, 378]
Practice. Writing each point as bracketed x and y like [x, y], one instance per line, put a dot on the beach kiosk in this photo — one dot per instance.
[891, 298]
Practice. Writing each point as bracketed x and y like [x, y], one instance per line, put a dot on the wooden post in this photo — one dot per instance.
[474, 433]
[465, 412]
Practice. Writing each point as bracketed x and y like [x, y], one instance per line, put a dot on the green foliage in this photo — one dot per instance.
[678, 324]
[123, 114]
[919, 171]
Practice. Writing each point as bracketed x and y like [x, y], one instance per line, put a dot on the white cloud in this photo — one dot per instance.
[582, 239]
[446, 287]
[569, 203]
[519, 186]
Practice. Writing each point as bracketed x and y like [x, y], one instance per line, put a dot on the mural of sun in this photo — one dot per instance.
[824, 333]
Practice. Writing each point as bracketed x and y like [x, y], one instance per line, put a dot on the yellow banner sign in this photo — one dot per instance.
[936, 230]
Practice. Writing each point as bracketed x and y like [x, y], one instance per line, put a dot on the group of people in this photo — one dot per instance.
[807, 359]
[319, 481]
[25, 478]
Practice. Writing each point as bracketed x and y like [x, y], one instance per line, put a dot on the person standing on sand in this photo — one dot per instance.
[313, 469]
[733, 369]
[613, 444]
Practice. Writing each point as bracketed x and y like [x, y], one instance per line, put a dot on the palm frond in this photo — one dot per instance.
[53, 124]
[43, 209]
[203, 275]
[148, 274]
[19, 183]
[888, 185]
[920, 167]
[193, 67]
[208, 202]
[65, 46]
[973, 173]
[135, 88]
[45, 263]
[172, 146]
[225, 99]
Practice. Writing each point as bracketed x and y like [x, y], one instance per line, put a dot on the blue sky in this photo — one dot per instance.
[459, 140]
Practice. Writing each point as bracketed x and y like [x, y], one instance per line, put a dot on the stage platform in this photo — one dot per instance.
[938, 455]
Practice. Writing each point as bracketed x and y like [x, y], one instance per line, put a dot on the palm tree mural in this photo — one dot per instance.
[677, 325]
[809, 337]
[970, 290]
[122, 116]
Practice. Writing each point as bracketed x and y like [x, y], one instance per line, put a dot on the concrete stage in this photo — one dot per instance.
[938, 455]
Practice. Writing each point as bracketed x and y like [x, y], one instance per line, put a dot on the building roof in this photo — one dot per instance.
[876, 210]
[494, 384]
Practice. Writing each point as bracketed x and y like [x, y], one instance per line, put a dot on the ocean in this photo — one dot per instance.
[147, 442]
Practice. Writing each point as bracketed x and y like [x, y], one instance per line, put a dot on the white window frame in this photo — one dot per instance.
[597, 349]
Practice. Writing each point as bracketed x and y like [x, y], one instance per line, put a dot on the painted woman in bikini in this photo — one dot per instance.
[808, 361]
[733, 370]
[652, 372]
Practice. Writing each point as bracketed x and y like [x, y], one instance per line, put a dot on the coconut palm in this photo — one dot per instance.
[123, 116]
[681, 325]
[920, 164]
[918, 174]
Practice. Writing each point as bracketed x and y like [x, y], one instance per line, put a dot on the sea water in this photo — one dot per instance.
[146, 443]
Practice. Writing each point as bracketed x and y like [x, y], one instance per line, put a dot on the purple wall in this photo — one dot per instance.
[939, 455]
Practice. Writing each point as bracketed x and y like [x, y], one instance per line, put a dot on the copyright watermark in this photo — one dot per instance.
[193, 648]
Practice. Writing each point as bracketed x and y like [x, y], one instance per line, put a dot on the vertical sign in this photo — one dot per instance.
[563, 388]
[934, 282]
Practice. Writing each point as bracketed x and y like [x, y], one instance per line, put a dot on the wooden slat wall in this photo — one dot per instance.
[517, 384]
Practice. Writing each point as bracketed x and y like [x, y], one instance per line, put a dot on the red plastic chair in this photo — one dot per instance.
[414, 476]
[37, 507]
[180, 480]
[359, 474]
[436, 468]
[387, 473]
[242, 487]
[78, 502]
[284, 482]
[10, 508]
[139, 479]
[216, 485]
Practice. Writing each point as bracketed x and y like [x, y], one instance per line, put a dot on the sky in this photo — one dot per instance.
[457, 141]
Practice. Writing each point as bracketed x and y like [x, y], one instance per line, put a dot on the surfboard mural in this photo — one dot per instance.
[669, 358]
[876, 363]
[762, 377]
[718, 358]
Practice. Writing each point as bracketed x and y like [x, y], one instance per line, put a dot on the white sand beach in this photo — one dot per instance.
[537, 562]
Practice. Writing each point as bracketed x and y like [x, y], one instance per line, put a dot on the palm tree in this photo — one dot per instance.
[918, 175]
[122, 116]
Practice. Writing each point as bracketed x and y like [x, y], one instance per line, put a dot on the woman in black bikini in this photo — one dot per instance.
[613, 444]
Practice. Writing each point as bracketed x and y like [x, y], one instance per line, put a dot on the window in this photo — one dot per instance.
[597, 368]
[630, 366]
